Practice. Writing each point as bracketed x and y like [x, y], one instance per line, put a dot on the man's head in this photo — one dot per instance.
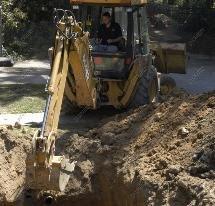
[106, 18]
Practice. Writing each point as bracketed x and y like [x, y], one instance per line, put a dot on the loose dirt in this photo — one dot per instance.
[159, 154]
[14, 147]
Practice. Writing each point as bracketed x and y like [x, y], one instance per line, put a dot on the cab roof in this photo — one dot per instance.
[111, 2]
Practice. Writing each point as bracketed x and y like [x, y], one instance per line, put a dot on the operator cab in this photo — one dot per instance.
[133, 23]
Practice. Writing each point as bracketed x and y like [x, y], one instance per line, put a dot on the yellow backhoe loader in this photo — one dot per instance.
[85, 78]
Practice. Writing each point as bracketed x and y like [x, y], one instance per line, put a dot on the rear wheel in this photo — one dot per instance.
[147, 89]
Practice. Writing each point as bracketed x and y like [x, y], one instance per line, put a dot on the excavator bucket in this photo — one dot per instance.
[55, 177]
[45, 171]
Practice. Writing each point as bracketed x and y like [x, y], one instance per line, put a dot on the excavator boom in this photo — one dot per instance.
[44, 169]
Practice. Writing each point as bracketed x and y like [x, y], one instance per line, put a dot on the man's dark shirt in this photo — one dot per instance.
[113, 32]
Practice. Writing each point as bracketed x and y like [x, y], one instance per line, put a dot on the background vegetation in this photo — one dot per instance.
[28, 28]
[23, 98]
[188, 3]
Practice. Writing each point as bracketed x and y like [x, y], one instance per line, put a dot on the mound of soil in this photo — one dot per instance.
[160, 154]
[13, 152]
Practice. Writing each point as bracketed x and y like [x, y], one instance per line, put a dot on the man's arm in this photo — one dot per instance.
[110, 41]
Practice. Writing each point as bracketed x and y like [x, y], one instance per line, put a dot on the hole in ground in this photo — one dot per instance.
[107, 186]
[111, 189]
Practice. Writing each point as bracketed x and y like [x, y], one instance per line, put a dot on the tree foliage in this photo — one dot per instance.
[189, 3]
[13, 16]
[27, 24]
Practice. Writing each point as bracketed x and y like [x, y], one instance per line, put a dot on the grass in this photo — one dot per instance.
[26, 98]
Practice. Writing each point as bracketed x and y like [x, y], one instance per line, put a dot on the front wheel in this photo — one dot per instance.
[147, 89]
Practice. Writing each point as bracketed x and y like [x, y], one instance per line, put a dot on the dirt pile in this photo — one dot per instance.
[13, 150]
[160, 154]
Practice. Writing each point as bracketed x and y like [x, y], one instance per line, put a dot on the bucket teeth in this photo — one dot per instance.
[60, 172]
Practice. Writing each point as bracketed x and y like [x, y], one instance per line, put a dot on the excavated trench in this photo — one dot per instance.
[109, 192]
[98, 186]
[109, 189]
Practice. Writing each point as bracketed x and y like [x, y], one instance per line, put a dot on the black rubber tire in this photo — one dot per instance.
[142, 96]
[167, 85]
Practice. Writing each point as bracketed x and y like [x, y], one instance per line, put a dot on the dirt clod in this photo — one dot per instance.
[10, 127]
[17, 125]
[183, 132]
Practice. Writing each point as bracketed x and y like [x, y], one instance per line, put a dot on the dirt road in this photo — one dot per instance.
[27, 72]
[200, 75]
[199, 78]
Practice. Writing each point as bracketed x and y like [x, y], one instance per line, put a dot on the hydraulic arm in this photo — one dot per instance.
[44, 169]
